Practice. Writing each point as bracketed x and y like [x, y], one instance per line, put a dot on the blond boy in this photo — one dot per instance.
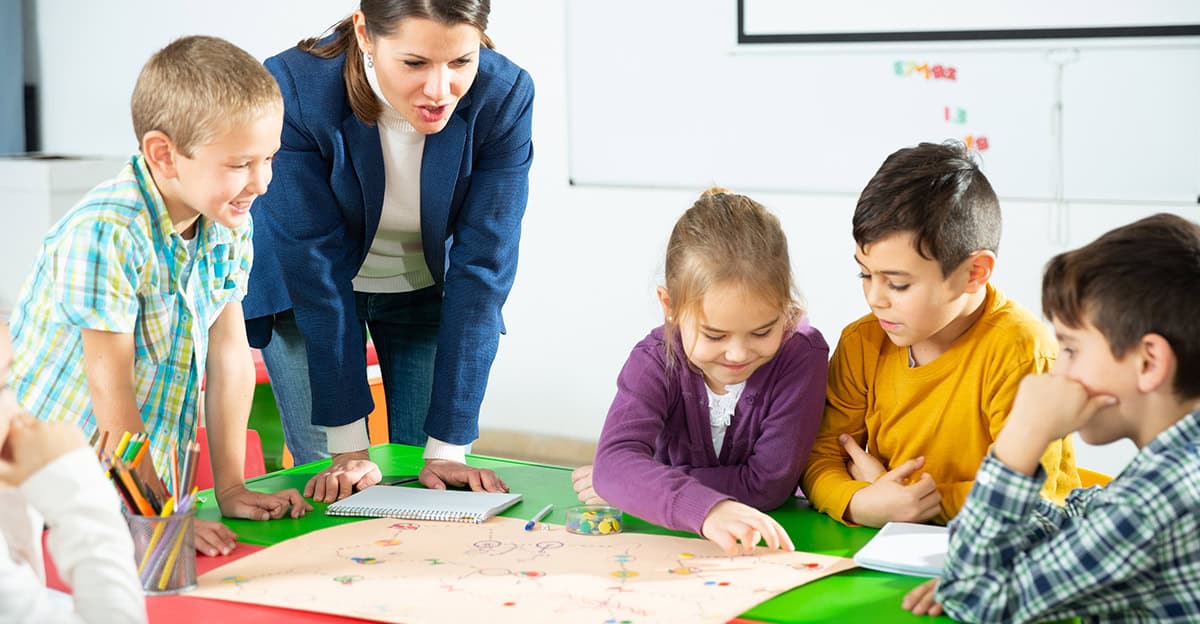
[925, 381]
[136, 293]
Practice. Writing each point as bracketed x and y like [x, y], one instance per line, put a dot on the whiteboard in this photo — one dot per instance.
[658, 100]
[933, 20]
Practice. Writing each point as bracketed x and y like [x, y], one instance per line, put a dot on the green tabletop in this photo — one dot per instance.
[856, 595]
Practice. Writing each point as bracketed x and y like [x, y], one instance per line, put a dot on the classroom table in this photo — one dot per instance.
[856, 595]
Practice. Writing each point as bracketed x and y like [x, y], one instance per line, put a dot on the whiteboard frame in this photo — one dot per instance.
[1172, 30]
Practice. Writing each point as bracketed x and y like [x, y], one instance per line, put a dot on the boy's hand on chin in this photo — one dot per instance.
[1046, 408]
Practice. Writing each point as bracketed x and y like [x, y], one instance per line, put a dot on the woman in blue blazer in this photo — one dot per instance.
[396, 207]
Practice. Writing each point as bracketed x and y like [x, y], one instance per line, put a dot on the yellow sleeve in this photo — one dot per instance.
[826, 481]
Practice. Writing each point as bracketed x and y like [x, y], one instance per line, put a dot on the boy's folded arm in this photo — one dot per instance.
[826, 480]
[1016, 557]
[88, 540]
[771, 475]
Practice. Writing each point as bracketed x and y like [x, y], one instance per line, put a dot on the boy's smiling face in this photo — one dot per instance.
[915, 304]
[222, 177]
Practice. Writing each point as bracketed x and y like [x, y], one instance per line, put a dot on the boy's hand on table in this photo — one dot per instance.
[214, 538]
[31, 444]
[920, 600]
[862, 465]
[891, 498]
[238, 502]
[581, 480]
[437, 474]
[737, 528]
[347, 473]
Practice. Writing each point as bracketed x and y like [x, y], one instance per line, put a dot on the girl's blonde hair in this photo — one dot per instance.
[727, 239]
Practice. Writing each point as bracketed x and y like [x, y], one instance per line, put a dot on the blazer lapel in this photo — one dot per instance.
[366, 156]
[439, 176]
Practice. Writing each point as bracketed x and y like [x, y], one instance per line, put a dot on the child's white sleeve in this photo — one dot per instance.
[89, 543]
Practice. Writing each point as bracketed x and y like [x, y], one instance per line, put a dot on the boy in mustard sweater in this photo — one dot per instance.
[925, 381]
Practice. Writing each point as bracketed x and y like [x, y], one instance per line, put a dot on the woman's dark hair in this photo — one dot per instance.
[382, 18]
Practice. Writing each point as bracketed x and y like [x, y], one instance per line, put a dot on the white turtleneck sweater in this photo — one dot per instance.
[396, 260]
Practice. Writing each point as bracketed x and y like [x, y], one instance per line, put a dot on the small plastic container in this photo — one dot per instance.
[593, 520]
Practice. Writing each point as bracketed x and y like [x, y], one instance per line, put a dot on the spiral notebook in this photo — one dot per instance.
[906, 548]
[385, 501]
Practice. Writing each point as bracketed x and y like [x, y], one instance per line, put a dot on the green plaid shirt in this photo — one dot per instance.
[114, 263]
[1128, 552]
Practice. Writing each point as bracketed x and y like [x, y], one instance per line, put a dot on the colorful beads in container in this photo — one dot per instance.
[594, 520]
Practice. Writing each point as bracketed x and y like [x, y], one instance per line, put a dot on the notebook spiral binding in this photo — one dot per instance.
[405, 514]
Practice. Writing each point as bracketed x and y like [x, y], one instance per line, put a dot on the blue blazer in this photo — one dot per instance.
[315, 224]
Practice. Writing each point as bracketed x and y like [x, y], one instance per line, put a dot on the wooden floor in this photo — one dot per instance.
[546, 449]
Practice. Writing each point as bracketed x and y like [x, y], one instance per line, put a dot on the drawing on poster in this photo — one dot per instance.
[417, 572]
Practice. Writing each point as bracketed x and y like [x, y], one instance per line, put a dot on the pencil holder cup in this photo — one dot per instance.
[594, 520]
[165, 551]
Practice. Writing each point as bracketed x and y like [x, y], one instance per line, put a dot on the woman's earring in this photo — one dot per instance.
[370, 61]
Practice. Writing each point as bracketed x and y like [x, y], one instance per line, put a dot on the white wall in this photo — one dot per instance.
[590, 257]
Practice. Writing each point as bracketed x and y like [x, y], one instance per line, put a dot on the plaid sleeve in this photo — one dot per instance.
[1015, 557]
[93, 277]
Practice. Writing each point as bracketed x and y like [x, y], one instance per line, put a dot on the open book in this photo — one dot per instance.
[906, 548]
[385, 501]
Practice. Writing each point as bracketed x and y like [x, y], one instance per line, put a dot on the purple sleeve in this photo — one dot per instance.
[790, 416]
[626, 472]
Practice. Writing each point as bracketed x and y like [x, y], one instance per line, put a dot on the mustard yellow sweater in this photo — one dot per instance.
[949, 410]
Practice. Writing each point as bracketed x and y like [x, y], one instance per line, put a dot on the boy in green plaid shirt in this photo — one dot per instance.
[137, 291]
[1124, 308]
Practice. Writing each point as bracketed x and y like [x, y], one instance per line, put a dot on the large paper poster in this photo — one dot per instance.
[405, 571]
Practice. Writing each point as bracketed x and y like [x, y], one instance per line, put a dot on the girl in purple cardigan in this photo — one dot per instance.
[717, 409]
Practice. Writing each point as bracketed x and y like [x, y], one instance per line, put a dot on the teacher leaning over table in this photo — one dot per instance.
[396, 208]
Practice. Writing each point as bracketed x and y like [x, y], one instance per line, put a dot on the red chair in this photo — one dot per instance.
[254, 466]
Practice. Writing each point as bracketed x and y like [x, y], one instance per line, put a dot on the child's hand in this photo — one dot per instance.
[214, 538]
[729, 523]
[31, 444]
[581, 480]
[892, 499]
[238, 502]
[920, 599]
[862, 465]
[1046, 408]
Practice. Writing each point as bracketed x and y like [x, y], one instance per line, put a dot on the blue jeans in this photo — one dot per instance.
[403, 327]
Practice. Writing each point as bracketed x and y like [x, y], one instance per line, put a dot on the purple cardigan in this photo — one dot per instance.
[655, 458]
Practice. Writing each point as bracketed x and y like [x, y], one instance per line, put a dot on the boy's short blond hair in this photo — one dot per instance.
[197, 86]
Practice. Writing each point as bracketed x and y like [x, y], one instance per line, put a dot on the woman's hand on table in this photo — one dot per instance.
[438, 474]
[347, 473]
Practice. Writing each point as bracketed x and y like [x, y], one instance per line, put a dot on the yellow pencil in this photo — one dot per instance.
[158, 530]
[121, 444]
[166, 574]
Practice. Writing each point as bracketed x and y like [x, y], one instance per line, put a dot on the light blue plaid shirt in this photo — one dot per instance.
[1127, 552]
[114, 263]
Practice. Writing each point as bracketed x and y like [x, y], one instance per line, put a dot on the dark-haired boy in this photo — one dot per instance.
[925, 381]
[1124, 310]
